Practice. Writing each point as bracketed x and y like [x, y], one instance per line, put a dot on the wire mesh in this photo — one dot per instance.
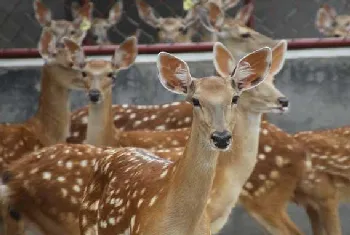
[292, 19]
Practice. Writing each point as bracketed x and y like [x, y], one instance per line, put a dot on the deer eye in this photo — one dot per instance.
[235, 99]
[72, 32]
[158, 29]
[245, 35]
[84, 74]
[195, 102]
[183, 30]
[110, 75]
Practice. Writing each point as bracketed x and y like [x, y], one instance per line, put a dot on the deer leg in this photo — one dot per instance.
[315, 220]
[275, 222]
[12, 221]
[330, 216]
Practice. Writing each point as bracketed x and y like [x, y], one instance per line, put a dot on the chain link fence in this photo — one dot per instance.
[291, 19]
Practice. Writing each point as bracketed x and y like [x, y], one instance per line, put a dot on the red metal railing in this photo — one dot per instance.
[181, 47]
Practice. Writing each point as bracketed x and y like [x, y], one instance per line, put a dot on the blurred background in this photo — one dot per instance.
[315, 77]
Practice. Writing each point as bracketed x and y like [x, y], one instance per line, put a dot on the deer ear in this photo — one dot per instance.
[76, 51]
[146, 13]
[83, 15]
[325, 18]
[244, 14]
[75, 7]
[125, 55]
[223, 60]
[212, 17]
[42, 14]
[47, 44]
[174, 73]
[278, 57]
[229, 4]
[115, 13]
[252, 69]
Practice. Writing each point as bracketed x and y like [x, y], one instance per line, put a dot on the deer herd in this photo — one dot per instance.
[176, 168]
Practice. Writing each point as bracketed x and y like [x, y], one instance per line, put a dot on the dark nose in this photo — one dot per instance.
[94, 95]
[221, 139]
[283, 101]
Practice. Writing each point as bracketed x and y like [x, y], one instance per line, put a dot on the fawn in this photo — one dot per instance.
[50, 125]
[326, 185]
[63, 28]
[331, 24]
[100, 26]
[173, 193]
[170, 29]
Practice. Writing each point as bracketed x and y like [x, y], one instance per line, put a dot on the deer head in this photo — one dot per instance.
[169, 29]
[100, 26]
[214, 98]
[63, 28]
[61, 60]
[98, 76]
[331, 24]
[233, 32]
[265, 97]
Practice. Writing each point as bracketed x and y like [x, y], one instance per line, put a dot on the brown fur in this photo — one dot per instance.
[326, 185]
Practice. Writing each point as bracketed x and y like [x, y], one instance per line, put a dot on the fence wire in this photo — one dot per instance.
[274, 18]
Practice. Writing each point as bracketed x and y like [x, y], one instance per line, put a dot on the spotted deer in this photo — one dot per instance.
[50, 124]
[265, 194]
[100, 26]
[329, 23]
[327, 184]
[170, 29]
[63, 28]
[167, 191]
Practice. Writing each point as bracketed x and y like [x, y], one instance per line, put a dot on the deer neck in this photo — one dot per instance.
[52, 119]
[101, 130]
[192, 180]
[235, 166]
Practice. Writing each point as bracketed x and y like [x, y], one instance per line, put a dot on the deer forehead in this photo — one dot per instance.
[98, 67]
[62, 24]
[343, 20]
[216, 89]
[171, 23]
[99, 22]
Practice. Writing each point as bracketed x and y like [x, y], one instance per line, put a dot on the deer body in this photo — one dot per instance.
[49, 125]
[326, 185]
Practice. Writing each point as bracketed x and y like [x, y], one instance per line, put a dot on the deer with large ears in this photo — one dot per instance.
[63, 28]
[100, 26]
[329, 23]
[170, 29]
[147, 186]
[50, 124]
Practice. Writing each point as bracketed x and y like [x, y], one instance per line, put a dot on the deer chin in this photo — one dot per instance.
[280, 110]
[274, 109]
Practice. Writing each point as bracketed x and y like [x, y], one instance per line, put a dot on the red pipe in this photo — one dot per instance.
[293, 44]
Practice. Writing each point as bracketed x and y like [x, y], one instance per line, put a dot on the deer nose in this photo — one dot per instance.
[221, 139]
[283, 101]
[94, 95]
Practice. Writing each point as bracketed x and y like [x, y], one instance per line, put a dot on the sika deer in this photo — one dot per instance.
[169, 192]
[327, 184]
[63, 28]
[170, 29]
[331, 24]
[100, 26]
[50, 125]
